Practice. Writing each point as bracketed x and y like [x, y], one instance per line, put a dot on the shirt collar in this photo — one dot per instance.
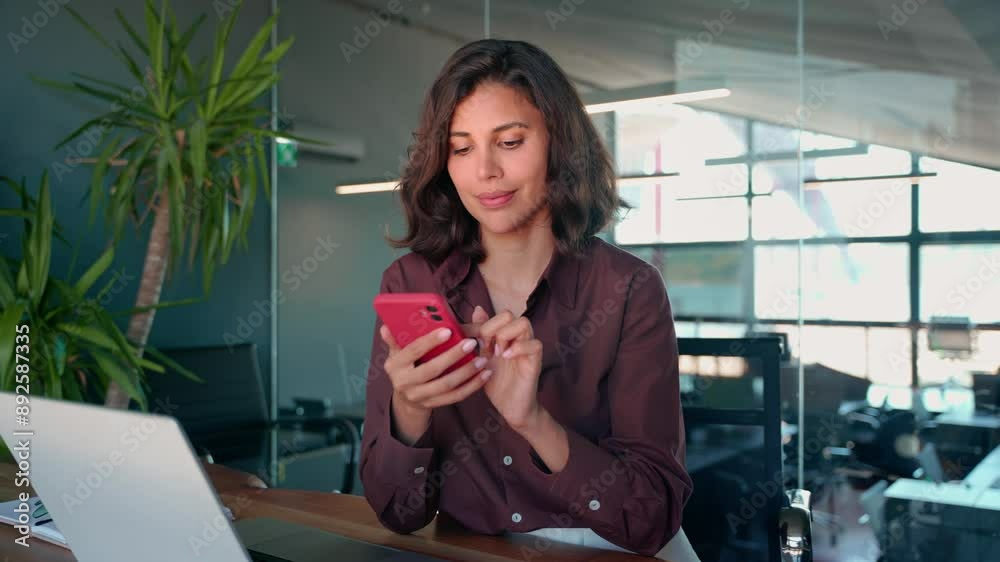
[562, 275]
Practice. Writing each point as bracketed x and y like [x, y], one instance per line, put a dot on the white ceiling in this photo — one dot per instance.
[931, 85]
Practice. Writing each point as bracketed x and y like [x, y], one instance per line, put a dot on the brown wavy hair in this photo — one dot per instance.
[581, 189]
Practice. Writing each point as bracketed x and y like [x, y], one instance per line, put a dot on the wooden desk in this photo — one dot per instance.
[345, 515]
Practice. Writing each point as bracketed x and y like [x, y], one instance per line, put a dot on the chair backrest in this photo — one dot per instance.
[226, 414]
[734, 451]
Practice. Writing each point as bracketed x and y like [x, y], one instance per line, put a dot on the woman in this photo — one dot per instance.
[568, 424]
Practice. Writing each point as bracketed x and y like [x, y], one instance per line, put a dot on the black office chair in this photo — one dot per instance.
[226, 417]
[740, 509]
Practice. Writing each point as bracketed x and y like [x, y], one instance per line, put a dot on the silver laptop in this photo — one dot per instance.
[125, 486]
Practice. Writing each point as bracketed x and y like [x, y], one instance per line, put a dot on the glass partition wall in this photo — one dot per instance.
[824, 172]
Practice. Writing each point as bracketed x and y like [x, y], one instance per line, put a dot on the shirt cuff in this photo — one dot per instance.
[401, 464]
[589, 469]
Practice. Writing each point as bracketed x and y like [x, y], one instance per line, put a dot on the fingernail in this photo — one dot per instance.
[468, 345]
[507, 354]
[479, 362]
[486, 374]
[444, 334]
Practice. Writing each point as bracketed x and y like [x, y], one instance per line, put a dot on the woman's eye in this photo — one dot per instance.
[460, 151]
[512, 144]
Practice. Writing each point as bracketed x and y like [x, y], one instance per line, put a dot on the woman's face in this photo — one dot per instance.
[497, 158]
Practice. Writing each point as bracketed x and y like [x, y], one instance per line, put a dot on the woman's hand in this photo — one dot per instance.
[419, 389]
[515, 357]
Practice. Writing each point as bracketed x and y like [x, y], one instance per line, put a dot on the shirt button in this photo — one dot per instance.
[418, 470]
[507, 460]
[516, 518]
[594, 505]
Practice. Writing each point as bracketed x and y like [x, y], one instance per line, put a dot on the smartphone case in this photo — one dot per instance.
[411, 315]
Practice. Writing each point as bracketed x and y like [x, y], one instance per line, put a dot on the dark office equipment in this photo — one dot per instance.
[951, 335]
[930, 464]
[734, 456]
[226, 417]
[986, 388]
[963, 440]
[958, 521]
[825, 390]
[795, 527]
[786, 351]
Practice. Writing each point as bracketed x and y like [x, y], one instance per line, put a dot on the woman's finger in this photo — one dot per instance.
[488, 330]
[390, 341]
[519, 329]
[445, 383]
[461, 393]
[523, 349]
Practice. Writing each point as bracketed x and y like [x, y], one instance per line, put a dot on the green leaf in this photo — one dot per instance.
[98, 176]
[90, 334]
[23, 286]
[116, 372]
[87, 280]
[154, 30]
[248, 60]
[7, 294]
[41, 242]
[52, 84]
[106, 83]
[128, 351]
[10, 318]
[197, 153]
[16, 213]
[157, 306]
[150, 366]
[100, 38]
[170, 363]
[265, 172]
[54, 384]
[218, 57]
[179, 46]
[132, 32]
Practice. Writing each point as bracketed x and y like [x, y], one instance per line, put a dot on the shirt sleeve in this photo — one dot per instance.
[631, 486]
[395, 476]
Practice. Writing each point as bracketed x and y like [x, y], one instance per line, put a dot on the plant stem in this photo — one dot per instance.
[154, 268]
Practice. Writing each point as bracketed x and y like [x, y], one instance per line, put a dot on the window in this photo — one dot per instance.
[771, 139]
[858, 281]
[935, 369]
[960, 198]
[854, 296]
[672, 211]
[705, 281]
[852, 209]
[960, 280]
[858, 208]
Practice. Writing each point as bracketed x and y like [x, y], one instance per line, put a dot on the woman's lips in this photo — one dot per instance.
[497, 201]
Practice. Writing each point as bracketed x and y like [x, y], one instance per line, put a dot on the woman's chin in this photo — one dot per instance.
[499, 224]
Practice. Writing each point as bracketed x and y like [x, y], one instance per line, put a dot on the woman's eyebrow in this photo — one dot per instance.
[496, 129]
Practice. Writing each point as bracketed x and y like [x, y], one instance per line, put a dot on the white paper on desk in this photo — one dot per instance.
[42, 525]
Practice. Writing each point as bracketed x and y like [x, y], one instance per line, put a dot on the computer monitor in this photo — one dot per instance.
[986, 387]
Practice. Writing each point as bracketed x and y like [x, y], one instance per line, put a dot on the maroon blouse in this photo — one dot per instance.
[609, 376]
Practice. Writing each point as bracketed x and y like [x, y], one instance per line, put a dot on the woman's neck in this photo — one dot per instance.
[515, 261]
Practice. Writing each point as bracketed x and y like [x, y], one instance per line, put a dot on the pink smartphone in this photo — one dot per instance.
[411, 315]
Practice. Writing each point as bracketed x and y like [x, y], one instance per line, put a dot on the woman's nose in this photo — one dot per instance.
[487, 166]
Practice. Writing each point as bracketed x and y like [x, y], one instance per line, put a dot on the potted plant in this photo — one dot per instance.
[188, 153]
[73, 349]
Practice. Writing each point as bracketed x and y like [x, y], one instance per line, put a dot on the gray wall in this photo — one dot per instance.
[326, 318]
[34, 119]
